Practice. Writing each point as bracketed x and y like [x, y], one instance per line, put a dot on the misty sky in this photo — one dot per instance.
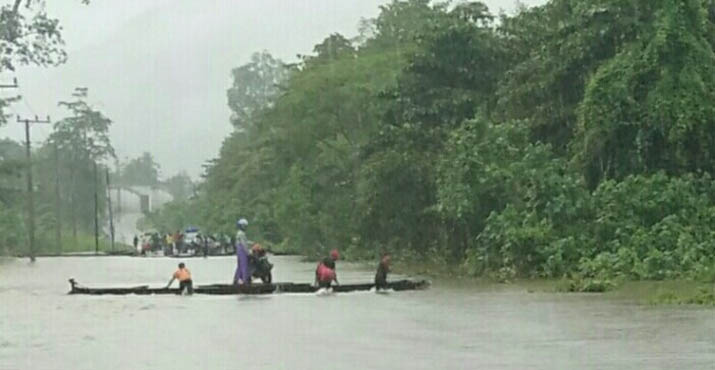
[160, 68]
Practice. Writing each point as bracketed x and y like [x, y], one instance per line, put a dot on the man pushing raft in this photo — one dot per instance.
[184, 276]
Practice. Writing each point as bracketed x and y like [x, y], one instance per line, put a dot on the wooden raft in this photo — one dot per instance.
[228, 289]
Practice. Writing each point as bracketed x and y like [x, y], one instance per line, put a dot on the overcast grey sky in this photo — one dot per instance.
[160, 68]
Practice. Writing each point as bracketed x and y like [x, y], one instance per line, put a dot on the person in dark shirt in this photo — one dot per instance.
[382, 270]
[205, 246]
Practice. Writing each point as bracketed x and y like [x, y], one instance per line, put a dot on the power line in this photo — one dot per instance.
[26, 102]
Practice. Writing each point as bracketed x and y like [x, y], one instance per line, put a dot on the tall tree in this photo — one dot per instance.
[83, 137]
[255, 84]
[28, 36]
[450, 76]
[179, 186]
[650, 107]
[142, 170]
[556, 48]
[12, 161]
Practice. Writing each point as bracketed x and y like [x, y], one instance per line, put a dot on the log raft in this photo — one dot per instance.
[250, 289]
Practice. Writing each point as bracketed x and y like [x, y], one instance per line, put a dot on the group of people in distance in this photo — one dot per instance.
[325, 273]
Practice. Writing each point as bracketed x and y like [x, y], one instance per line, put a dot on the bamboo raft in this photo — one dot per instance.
[251, 289]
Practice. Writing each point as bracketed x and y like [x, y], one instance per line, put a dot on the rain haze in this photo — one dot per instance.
[160, 69]
[284, 187]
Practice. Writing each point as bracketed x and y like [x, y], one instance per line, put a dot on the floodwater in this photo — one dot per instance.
[41, 327]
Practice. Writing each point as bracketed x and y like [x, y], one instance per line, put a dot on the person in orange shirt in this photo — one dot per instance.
[184, 276]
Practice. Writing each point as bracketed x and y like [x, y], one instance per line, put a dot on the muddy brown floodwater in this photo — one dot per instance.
[41, 327]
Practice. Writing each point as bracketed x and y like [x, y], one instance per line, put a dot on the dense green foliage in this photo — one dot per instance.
[570, 139]
[180, 186]
[142, 170]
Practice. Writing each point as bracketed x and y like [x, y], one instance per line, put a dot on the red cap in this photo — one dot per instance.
[334, 254]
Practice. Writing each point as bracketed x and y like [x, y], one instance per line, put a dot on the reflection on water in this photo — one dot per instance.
[43, 328]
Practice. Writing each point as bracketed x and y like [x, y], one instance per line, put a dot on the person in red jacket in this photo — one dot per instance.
[325, 272]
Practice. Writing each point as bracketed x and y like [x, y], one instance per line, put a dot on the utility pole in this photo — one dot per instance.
[119, 191]
[96, 211]
[30, 190]
[58, 201]
[111, 218]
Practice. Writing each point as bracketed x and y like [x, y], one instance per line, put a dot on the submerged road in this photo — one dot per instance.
[492, 327]
[125, 227]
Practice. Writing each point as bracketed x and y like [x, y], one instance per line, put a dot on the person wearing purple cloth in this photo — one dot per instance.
[242, 275]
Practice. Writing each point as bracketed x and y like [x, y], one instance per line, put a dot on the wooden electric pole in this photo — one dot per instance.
[119, 191]
[96, 211]
[58, 201]
[111, 218]
[30, 190]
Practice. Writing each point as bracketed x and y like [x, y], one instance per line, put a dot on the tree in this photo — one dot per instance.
[179, 186]
[86, 131]
[449, 77]
[142, 170]
[29, 41]
[556, 48]
[255, 85]
[332, 48]
[83, 140]
[12, 161]
[649, 108]
[401, 21]
[32, 39]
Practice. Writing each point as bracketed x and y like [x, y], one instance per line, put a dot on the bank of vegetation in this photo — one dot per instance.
[570, 140]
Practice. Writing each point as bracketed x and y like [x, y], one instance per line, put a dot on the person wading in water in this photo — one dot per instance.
[382, 270]
[325, 272]
[184, 276]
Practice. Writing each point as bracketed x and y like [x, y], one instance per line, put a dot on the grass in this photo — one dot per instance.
[667, 292]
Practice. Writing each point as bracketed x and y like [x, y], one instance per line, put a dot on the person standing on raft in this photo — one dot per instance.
[242, 274]
[382, 270]
[325, 272]
[184, 276]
